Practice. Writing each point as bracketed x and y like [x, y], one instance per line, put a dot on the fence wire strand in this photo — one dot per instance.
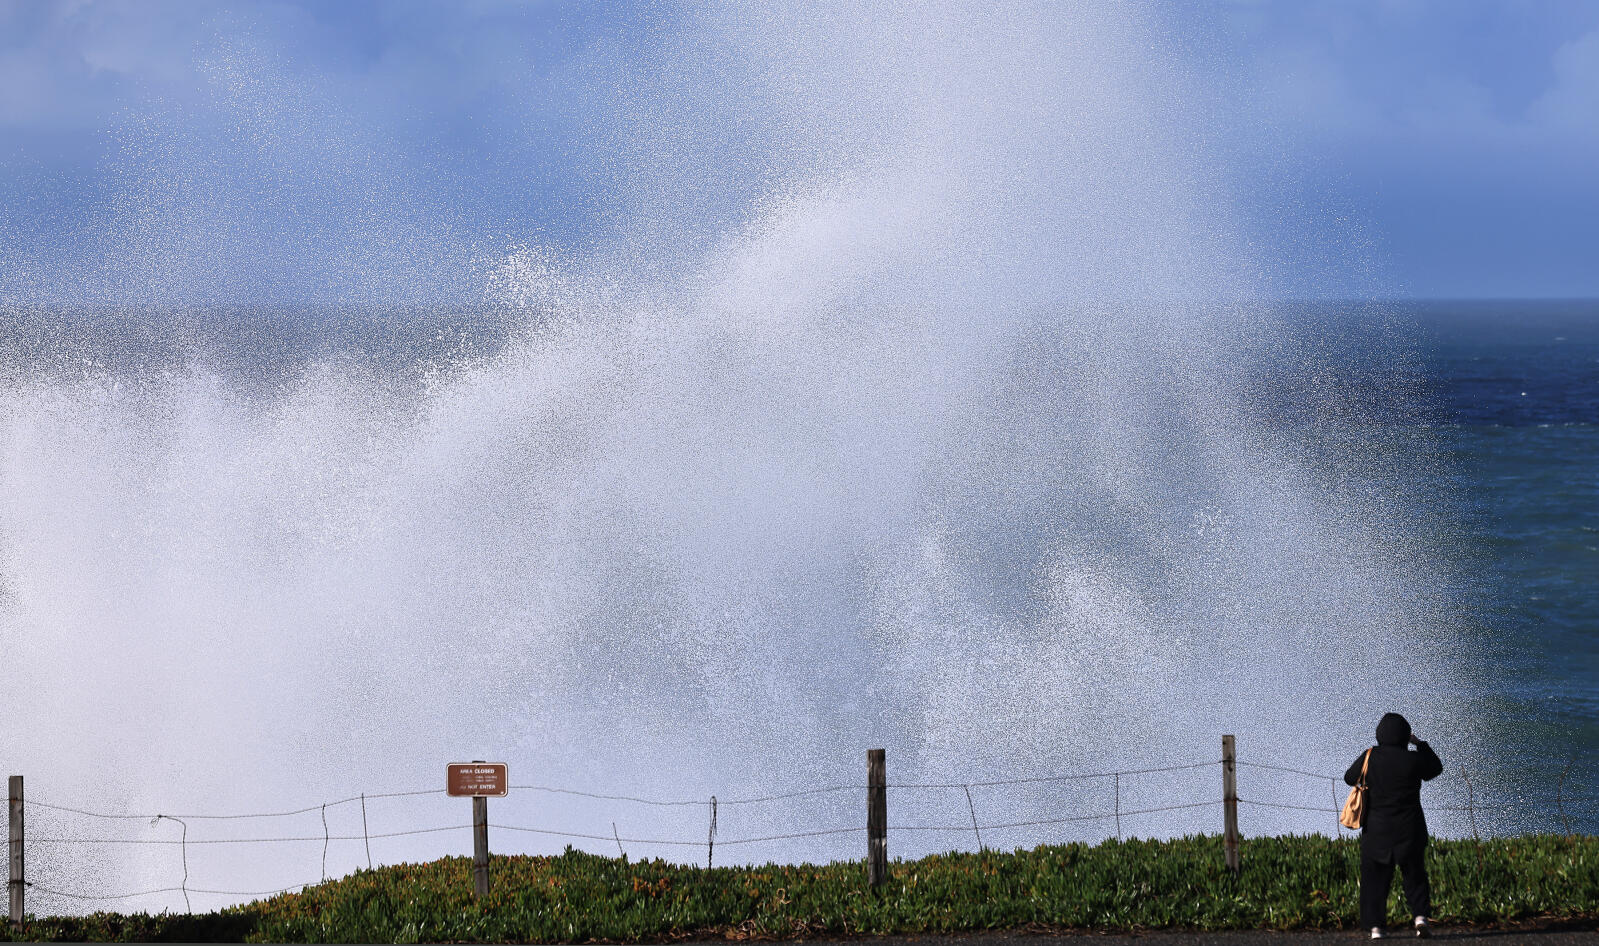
[967, 828]
[265, 814]
[1283, 768]
[148, 893]
[689, 802]
[1272, 804]
[1054, 778]
[675, 843]
[308, 837]
[596, 837]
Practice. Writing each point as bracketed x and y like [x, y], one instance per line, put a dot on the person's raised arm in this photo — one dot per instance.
[1429, 766]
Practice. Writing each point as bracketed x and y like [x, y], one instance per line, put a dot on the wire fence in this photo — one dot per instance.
[942, 815]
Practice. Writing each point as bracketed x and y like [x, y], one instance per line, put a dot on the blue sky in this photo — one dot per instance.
[1449, 146]
[1463, 134]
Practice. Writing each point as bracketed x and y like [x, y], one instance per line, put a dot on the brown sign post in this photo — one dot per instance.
[478, 780]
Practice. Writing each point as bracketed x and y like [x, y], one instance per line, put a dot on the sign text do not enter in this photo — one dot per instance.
[477, 779]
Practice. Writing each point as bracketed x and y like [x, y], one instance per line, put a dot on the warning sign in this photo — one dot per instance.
[477, 779]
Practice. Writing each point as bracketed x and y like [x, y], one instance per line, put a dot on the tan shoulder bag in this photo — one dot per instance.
[1354, 813]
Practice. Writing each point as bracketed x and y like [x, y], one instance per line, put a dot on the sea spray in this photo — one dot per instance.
[908, 401]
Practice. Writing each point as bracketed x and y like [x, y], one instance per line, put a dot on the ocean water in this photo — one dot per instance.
[1491, 407]
[1515, 413]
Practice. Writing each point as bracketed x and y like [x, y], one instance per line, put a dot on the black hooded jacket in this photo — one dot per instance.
[1395, 828]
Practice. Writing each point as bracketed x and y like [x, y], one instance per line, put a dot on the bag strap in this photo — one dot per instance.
[1363, 767]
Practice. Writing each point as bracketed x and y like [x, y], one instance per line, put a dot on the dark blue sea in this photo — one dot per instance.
[1506, 395]
[1487, 413]
[1512, 391]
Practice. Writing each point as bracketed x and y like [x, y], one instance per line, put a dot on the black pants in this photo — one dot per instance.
[1376, 878]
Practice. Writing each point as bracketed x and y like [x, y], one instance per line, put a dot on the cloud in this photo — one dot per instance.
[75, 62]
[280, 151]
[312, 139]
[1417, 71]
[1571, 103]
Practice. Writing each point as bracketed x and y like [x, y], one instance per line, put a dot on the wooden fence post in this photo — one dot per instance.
[480, 843]
[1471, 803]
[14, 876]
[876, 818]
[1229, 799]
[1118, 805]
[1560, 795]
[480, 846]
[710, 839]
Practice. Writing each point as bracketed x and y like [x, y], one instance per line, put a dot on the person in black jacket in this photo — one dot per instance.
[1395, 830]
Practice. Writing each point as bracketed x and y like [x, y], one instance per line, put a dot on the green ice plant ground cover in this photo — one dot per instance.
[1294, 882]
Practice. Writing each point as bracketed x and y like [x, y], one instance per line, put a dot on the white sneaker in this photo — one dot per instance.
[1422, 929]
[1376, 932]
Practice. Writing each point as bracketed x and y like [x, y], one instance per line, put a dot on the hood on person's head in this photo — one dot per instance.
[1394, 730]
